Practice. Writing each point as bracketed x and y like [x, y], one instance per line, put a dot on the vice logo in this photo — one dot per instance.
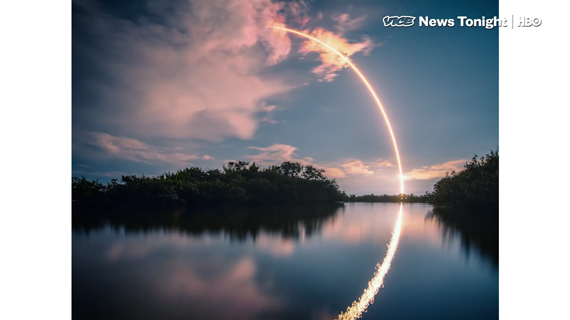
[398, 21]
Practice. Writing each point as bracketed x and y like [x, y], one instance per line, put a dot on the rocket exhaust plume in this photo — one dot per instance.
[367, 86]
[358, 307]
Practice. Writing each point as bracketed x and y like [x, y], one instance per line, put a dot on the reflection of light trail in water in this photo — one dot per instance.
[369, 89]
[358, 307]
[367, 297]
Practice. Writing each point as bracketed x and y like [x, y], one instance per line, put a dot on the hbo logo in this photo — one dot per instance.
[529, 22]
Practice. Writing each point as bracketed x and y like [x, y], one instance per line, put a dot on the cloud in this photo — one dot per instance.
[106, 145]
[300, 10]
[274, 153]
[278, 153]
[268, 116]
[356, 167]
[319, 16]
[331, 63]
[435, 171]
[345, 23]
[383, 163]
[183, 70]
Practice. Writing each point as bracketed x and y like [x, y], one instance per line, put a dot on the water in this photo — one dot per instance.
[285, 263]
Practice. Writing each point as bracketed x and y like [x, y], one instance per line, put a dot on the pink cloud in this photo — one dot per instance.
[135, 150]
[198, 74]
[435, 171]
[274, 153]
[278, 153]
[331, 63]
[383, 163]
[356, 167]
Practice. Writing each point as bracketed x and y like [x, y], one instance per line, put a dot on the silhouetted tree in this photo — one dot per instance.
[475, 187]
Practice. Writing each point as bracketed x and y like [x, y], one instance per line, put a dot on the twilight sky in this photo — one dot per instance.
[163, 85]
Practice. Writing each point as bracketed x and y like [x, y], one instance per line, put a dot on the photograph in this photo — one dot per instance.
[286, 159]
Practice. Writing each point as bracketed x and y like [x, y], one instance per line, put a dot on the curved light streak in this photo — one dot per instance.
[401, 177]
[358, 307]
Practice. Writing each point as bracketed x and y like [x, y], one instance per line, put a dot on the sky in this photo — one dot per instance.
[159, 86]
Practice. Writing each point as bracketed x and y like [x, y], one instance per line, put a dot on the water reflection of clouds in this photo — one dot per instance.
[375, 227]
[187, 274]
[362, 226]
[227, 294]
[416, 228]
[211, 275]
[139, 246]
[276, 246]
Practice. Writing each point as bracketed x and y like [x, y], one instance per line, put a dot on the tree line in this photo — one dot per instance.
[407, 198]
[237, 182]
[476, 187]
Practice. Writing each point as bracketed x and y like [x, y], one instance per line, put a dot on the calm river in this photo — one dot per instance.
[286, 263]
